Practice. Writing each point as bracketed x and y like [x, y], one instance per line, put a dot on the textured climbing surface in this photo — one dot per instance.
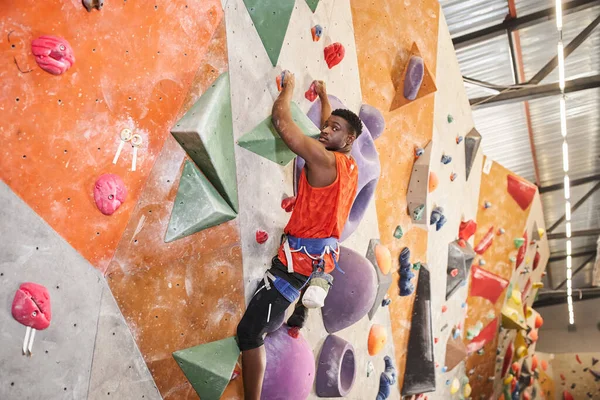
[486, 335]
[290, 367]
[209, 366]
[367, 159]
[266, 142]
[353, 293]
[197, 206]
[336, 370]
[456, 351]
[472, 142]
[206, 134]
[271, 19]
[487, 285]
[459, 265]
[416, 77]
[520, 190]
[419, 377]
[380, 257]
[312, 4]
[416, 197]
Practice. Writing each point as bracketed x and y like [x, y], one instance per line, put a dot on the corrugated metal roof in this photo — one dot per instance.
[464, 16]
[504, 128]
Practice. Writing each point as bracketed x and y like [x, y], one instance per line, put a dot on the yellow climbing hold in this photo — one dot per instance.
[467, 390]
[521, 351]
[508, 379]
[516, 297]
[541, 232]
[455, 386]
[538, 285]
[529, 312]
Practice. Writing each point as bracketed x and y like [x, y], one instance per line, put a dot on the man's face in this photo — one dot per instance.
[336, 134]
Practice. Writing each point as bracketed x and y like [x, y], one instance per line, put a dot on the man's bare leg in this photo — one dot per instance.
[254, 363]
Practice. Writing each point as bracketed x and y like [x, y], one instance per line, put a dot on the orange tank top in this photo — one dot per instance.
[322, 212]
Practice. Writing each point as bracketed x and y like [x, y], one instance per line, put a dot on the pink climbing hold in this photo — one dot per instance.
[486, 242]
[454, 272]
[467, 229]
[521, 191]
[334, 54]
[261, 236]
[53, 54]
[109, 193]
[486, 284]
[311, 93]
[288, 203]
[31, 306]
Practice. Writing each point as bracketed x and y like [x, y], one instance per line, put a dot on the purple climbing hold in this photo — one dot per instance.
[337, 368]
[290, 367]
[353, 293]
[414, 77]
[372, 118]
[446, 159]
[405, 257]
[436, 214]
[386, 302]
[405, 285]
[419, 152]
[387, 379]
[367, 158]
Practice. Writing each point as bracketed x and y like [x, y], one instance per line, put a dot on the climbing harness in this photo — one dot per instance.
[310, 247]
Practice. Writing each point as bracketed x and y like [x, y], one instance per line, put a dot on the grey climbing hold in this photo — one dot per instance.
[459, 260]
[414, 77]
[472, 142]
[446, 159]
[90, 4]
[418, 188]
[384, 281]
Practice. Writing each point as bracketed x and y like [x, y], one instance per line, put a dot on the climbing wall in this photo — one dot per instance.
[545, 384]
[577, 374]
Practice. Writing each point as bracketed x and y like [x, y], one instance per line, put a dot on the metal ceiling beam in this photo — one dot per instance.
[553, 297]
[583, 233]
[536, 92]
[572, 183]
[582, 266]
[576, 253]
[574, 44]
[511, 24]
[575, 207]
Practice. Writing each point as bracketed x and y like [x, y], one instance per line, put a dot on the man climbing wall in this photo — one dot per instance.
[309, 248]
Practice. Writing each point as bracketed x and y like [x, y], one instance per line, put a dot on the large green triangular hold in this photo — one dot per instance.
[209, 366]
[271, 19]
[266, 142]
[197, 205]
[312, 4]
[206, 134]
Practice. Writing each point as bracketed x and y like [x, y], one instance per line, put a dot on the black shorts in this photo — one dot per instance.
[266, 310]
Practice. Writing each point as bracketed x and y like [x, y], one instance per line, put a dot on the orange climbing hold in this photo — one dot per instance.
[520, 190]
[533, 335]
[539, 321]
[377, 339]
[433, 181]
[544, 365]
[534, 362]
[578, 359]
[384, 258]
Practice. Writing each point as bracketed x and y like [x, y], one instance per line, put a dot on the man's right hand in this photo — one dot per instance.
[321, 89]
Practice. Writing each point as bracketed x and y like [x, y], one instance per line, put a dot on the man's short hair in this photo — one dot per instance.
[352, 119]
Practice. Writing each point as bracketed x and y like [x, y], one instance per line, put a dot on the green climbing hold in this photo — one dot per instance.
[398, 232]
[417, 266]
[519, 242]
[266, 142]
[450, 119]
[206, 134]
[197, 205]
[312, 4]
[418, 212]
[271, 19]
[209, 366]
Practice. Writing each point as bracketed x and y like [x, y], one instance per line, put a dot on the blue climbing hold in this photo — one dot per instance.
[446, 159]
[387, 379]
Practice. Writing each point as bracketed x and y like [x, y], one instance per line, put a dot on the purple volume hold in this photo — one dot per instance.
[414, 77]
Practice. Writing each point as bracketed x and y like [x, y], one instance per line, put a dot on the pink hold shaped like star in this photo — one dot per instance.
[53, 54]
[109, 193]
[31, 306]
[334, 54]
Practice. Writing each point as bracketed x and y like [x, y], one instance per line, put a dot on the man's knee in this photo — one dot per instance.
[249, 335]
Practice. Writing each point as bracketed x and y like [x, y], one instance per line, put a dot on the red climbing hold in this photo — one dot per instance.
[294, 332]
[311, 93]
[526, 396]
[562, 376]
[435, 340]
[486, 242]
[534, 362]
[467, 229]
[288, 203]
[334, 54]
[31, 306]
[454, 272]
[462, 243]
[522, 251]
[536, 260]
[53, 54]
[516, 368]
[567, 395]
[486, 335]
[261, 236]
[486, 284]
[109, 193]
[578, 359]
[521, 191]
[444, 308]
[539, 321]
[507, 358]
